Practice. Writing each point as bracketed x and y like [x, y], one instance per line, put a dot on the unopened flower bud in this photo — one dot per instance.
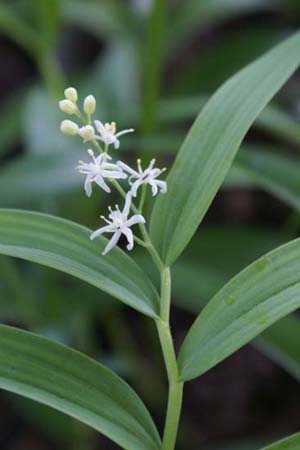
[68, 107]
[68, 127]
[71, 94]
[89, 105]
[87, 132]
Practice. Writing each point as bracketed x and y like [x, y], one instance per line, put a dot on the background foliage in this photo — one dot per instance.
[151, 65]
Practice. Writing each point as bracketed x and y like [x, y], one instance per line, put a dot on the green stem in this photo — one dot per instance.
[153, 59]
[175, 385]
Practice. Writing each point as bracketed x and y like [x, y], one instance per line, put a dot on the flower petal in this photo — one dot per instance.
[162, 185]
[137, 218]
[116, 143]
[127, 168]
[88, 185]
[113, 174]
[100, 231]
[100, 181]
[135, 186]
[120, 133]
[99, 126]
[112, 242]
[127, 205]
[129, 235]
[153, 187]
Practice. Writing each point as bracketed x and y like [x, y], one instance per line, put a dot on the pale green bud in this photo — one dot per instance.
[89, 105]
[87, 133]
[68, 107]
[71, 94]
[68, 127]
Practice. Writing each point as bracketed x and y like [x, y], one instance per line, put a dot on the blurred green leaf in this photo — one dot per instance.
[272, 119]
[192, 15]
[70, 382]
[47, 19]
[276, 173]
[289, 443]
[211, 145]
[41, 125]
[65, 245]
[222, 55]
[254, 299]
[15, 27]
[108, 19]
[29, 179]
[11, 114]
[114, 80]
[218, 253]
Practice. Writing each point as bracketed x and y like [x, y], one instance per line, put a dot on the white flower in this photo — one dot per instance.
[119, 224]
[97, 170]
[68, 107]
[68, 127]
[147, 176]
[87, 133]
[107, 133]
[71, 94]
[89, 105]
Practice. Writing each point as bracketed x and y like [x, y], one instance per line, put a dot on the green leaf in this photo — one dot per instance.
[64, 245]
[211, 145]
[289, 443]
[192, 15]
[274, 172]
[257, 297]
[272, 119]
[216, 256]
[70, 382]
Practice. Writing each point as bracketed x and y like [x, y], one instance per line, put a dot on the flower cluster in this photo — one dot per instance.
[103, 171]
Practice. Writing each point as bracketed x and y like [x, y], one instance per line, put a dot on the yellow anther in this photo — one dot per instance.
[90, 152]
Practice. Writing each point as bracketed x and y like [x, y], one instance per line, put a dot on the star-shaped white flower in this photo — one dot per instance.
[147, 176]
[119, 224]
[107, 133]
[97, 170]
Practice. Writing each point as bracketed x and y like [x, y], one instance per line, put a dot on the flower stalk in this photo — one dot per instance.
[167, 345]
[101, 171]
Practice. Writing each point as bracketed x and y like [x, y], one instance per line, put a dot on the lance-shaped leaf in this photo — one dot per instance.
[212, 143]
[69, 381]
[66, 246]
[258, 296]
[289, 443]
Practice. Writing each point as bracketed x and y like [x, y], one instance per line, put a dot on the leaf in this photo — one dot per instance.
[192, 15]
[215, 256]
[64, 245]
[257, 297]
[289, 443]
[272, 119]
[274, 172]
[211, 145]
[69, 381]
[105, 19]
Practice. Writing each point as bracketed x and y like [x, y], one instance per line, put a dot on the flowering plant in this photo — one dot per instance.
[261, 294]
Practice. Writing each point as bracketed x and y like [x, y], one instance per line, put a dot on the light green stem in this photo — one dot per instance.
[175, 385]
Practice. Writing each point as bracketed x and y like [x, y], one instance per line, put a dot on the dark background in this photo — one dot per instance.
[152, 71]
